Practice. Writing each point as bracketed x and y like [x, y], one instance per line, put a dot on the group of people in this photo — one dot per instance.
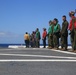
[56, 34]
[33, 39]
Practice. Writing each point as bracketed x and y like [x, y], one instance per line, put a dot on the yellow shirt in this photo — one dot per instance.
[26, 37]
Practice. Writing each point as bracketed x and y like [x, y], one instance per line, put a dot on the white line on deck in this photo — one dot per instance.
[65, 52]
[28, 55]
[35, 60]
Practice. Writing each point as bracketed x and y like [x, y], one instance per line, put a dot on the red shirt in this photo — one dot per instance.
[44, 34]
[70, 25]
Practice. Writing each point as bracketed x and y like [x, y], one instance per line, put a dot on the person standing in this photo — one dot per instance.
[26, 38]
[56, 33]
[33, 39]
[64, 34]
[72, 28]
[50, 35]
[44, 37]
[38, 37]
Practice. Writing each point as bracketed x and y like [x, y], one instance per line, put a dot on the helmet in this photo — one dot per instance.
[72, 13]
[50, 21]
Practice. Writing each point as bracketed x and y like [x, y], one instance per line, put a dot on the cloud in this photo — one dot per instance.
[9, 37]
[8, 34]
[2, 33]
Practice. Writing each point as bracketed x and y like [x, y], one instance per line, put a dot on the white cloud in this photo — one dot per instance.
[8, 34]
[9, 37]
[2, 33]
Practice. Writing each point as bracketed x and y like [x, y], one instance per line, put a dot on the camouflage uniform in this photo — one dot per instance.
[72, 28]
[56, 35]
[73, 35]
[50, 40]
[64, 35]
[38, 37]
[50, 36]
[32, 40]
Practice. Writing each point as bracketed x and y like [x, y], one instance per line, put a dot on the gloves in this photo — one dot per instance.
[70, 33]
[54, 33]
[63, 34]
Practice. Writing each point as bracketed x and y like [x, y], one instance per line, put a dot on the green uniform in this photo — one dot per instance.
[50, 36]
[38, 39]
[56, 32]
[64, 34]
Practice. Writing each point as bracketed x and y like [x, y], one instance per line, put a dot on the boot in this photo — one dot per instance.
[74, 51]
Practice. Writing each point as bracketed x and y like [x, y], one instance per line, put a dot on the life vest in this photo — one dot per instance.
[56, 28]
[72, 24]
[26, 37]
[50, 29]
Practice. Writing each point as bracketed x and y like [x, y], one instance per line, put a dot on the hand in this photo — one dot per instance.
[47, 35]
[54, 33]
[42, 38]
[63, 34]
[70, 33]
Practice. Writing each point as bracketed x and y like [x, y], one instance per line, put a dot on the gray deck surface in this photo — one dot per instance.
[34, 61]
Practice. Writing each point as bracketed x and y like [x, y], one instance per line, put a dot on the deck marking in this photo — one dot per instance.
[35, 60]
[29, 55]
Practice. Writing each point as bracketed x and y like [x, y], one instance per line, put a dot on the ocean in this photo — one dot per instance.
[6, 45]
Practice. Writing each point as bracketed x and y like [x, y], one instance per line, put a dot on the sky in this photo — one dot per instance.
[20, 16]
